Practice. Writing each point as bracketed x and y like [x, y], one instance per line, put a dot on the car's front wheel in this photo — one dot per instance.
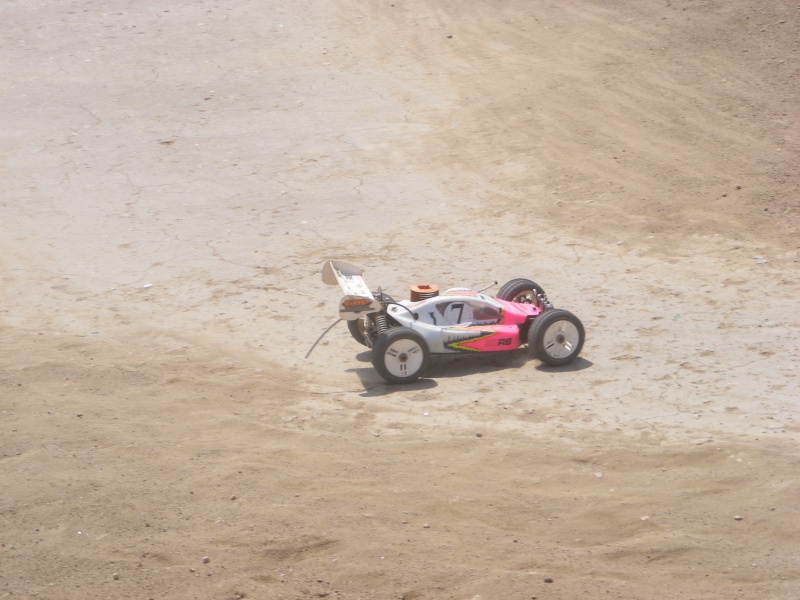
[556, 337]
[400, 355]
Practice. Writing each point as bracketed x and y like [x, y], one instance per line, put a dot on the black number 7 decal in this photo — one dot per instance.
[460, 307]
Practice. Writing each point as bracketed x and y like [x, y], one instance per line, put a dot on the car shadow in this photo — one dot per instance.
[374, 385]
[458, 365]
[365, 356]
[579, 364]
[462, 365]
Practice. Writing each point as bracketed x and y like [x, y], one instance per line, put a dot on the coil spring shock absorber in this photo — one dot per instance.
[379, 319]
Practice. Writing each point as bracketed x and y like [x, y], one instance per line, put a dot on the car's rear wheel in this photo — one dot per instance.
[358, 327]
[556, 337]
[522, 291]
[400, 355]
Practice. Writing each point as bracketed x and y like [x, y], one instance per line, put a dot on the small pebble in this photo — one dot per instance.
[548, 580]
[738, 517]
[115, 576]
[206, 560]
[233, 497]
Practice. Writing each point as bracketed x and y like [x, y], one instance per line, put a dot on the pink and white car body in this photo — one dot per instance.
[461, 320]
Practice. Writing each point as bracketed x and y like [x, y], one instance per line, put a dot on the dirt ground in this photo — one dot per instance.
[173, 176]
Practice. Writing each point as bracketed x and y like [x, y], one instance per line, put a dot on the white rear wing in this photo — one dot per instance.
[358, 300]
[347, 276]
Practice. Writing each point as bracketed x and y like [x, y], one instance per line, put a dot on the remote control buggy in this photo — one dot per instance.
[403, 335]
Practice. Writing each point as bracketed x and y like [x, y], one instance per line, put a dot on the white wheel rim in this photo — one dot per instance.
[561, 339]
[403, 358]
[525, 297]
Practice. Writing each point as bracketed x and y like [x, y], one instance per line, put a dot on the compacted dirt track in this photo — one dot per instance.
[174, 176]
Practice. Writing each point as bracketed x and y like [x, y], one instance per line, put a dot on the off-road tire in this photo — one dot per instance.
[357, 327]
[556, 337]
[357, 330]
[400, 355]
[523, 291]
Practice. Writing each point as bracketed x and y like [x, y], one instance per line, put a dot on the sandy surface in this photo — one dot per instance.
[173, 177]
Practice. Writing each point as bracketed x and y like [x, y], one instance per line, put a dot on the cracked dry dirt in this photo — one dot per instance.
[174, 175]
